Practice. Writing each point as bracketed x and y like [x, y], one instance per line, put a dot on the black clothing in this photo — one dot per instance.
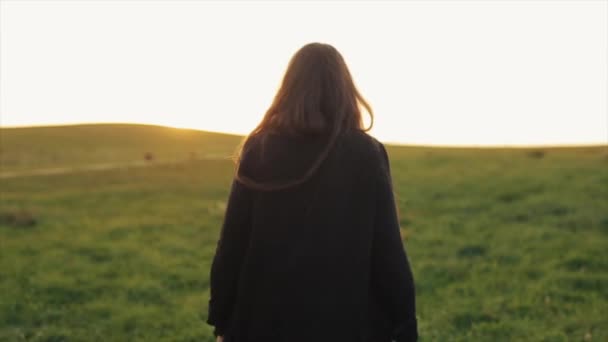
[322, 261]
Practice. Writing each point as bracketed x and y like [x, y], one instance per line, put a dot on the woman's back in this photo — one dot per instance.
[321, 261]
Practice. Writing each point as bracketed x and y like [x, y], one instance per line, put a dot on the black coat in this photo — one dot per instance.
[323, 261]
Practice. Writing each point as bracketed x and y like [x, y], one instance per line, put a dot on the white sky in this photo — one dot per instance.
[436, 72]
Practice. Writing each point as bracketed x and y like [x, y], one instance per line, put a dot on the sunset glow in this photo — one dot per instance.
[439, 73]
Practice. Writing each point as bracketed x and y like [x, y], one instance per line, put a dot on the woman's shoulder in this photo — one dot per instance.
[364, 144]
[362, 153]
[353, 145]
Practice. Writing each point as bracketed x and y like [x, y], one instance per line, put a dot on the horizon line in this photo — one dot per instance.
[388, 142]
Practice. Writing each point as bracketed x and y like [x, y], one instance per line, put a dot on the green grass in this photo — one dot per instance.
[505, 245]
[77, 145]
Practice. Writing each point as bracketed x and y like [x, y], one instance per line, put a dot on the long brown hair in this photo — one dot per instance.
[317, 96]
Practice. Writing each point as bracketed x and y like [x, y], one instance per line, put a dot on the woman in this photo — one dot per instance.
[310, 248]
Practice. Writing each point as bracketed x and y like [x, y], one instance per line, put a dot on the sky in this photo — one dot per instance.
[435, 72]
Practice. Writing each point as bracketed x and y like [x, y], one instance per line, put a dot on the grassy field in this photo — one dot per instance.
[505, 244]
[74, 146]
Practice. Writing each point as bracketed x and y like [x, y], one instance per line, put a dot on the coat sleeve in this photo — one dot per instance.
[230, 251]
[391, 273]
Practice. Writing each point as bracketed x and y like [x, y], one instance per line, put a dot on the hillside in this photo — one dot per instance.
[76, 145]
[73, 146]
